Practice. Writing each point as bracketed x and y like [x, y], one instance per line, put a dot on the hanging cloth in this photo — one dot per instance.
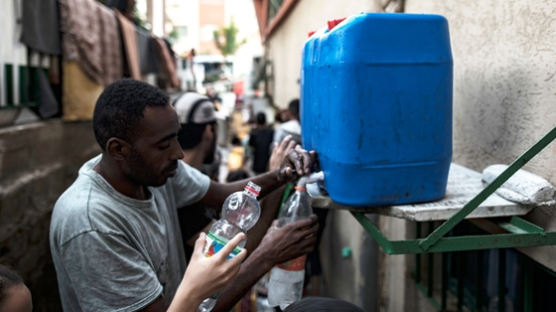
[91, 38]
[40, 27]
[129, 37]
[168, 63]
[149, 62]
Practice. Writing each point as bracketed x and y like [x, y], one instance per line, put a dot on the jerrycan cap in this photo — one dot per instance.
[334, 22]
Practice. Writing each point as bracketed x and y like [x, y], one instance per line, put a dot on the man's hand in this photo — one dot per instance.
[279, 152]
[277, 246]
[298, 162]
[290, 241]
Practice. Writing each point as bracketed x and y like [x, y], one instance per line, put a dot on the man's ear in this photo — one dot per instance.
[117, 148]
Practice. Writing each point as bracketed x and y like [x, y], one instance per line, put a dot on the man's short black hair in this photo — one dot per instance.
[293, 107]
[121, 106]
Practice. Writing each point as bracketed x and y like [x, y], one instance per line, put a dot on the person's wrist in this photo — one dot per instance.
[279, 176]
[191, 292]
[262, 256]
[184, 299]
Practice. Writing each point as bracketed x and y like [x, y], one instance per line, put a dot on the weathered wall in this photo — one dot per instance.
[504, 92]
[504, 68]
[37, 163]
[285, 45]
[350, 277]
[504, 97]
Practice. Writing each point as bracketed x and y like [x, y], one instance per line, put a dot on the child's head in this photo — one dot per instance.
[14, 295]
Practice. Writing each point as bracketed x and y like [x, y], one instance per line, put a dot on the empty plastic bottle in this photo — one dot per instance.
[240, 212]
[286, 279]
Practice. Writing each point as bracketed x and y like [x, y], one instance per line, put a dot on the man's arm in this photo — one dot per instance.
[218, 192]
[278, 245]
[155, 306]
[295, 163]
[271, 202]
[269, 208]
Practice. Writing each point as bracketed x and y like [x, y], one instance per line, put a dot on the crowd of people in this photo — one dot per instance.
[128, 234]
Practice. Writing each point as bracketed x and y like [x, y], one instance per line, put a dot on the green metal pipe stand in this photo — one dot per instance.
[522, 233]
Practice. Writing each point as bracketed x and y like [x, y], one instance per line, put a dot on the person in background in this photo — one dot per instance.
[114, 235]
[313, 268]
[260, 140]
[14, 295]
[197, 138]
[291, 127]
[213, 96]
[191, 85]
[236, 156]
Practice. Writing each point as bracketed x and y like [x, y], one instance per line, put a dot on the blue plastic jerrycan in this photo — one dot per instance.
[376, 104]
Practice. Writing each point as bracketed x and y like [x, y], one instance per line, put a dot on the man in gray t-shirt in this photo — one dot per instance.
[91, 218]
[114, 235]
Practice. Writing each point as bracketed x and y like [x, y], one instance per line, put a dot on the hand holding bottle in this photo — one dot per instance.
[285, 285]
[290, 241]
[240, 212]
[207, 275]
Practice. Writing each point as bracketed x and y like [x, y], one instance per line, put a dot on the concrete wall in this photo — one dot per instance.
[38, 162]
[352, 277]
[504, 90]
[285, 45]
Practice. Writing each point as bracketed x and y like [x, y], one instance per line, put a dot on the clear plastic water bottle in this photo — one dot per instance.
[286, 279]
[240, 212]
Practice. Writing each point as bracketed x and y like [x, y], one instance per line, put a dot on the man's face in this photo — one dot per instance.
[155, 150]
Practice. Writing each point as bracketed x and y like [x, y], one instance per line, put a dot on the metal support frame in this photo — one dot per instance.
[521, 232]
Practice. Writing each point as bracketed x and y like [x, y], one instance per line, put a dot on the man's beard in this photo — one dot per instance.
[138, 173]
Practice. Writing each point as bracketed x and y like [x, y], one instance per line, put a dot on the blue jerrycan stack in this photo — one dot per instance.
[376, 104]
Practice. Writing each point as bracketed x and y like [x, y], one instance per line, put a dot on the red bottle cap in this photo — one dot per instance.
[310, 33]
[334, 22]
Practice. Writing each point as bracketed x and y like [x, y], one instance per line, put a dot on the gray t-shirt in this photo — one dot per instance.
[116, 253]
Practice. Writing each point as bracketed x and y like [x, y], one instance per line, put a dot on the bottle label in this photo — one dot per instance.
[215, 243]
[296, 264]
[252, 189]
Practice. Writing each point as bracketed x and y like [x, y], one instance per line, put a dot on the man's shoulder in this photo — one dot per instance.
[76, 209]
[69, 216]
